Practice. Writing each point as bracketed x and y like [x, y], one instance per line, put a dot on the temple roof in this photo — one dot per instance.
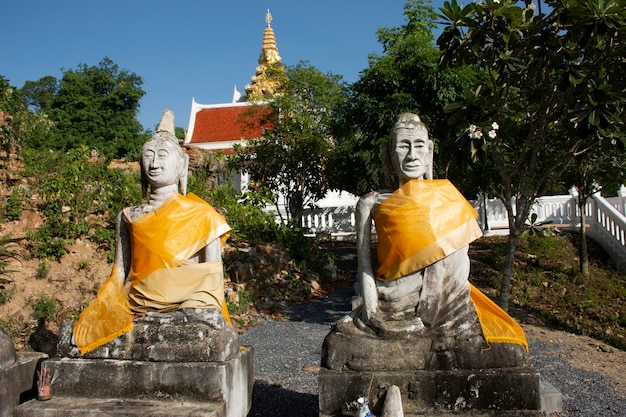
[218, 127]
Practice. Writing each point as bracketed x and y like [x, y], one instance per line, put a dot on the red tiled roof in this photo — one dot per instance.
[223, 124]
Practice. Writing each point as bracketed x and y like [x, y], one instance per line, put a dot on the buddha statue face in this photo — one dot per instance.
[411, 149]
[162, 161]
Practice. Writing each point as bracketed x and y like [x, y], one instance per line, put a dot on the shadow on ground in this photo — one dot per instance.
[323, 311]
[274, 401]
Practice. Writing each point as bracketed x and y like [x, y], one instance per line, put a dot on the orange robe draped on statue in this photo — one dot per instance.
[161, 242]
[424, 221]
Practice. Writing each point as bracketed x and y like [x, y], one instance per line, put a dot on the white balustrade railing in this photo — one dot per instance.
[619, 203]
[555, 210]
[609, 219]
[607, 226]
[332, 220]
[606, 220]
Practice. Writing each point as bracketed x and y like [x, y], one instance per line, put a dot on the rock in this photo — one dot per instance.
[240, 272]
[393, 403]
[7, 350]
[330, 272]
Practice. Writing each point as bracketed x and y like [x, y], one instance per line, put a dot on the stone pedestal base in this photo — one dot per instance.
[187, 335]
[186, 362]
[82, 407]
[17, 381]
[432, 391]
[223, 387]
[436, 373]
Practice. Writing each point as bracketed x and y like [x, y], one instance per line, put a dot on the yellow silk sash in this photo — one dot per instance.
[497, 325]
[164, 238]
[172, 233]
[187, 286]
[420, 223]
[106, 317]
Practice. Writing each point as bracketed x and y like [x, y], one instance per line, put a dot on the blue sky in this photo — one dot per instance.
[189, 48]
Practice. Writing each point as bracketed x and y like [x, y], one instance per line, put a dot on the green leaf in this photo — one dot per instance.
[450, 107]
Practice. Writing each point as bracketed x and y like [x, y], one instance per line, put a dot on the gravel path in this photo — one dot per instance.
[287, 357]
[585, 393]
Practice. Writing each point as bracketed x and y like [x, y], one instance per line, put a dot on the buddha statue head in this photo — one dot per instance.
[163, 162]
[410, 150]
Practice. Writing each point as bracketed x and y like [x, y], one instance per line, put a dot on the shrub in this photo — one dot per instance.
[105, 238]
[80, 193]
[45, 308]
[248, 221]
[14, 206]
[42, 270]
[6, 253]
[245, 301]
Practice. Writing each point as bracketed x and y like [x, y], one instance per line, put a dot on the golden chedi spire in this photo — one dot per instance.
[269, 51]
[264, 83]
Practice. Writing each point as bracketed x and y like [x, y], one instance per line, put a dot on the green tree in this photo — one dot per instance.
[290, 158]
[180, 132]
[406, 77]
[94, 106]
[553, 89]
[11, 105]
[17, 123]
[40, 94]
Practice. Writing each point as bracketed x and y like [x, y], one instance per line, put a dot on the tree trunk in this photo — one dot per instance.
[507, 273]
[296, 209]
[516, 228]
[582, 248]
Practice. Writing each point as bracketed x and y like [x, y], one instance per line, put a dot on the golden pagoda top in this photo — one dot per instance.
[262, 86]
[269, 50]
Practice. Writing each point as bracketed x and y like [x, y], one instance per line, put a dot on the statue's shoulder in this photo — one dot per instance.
[367, 200]
[130, 214]
[372, 200]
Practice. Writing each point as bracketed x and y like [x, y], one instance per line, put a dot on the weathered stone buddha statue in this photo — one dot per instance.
[167, 259]
[423, 230]
[424, 227]
[158, 338]
[419, 316]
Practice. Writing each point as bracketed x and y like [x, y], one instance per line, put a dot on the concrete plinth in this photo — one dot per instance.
[225, 386]
[437, 374]
[435, 391]
[88, 407]
[187, 335]
[17, 381]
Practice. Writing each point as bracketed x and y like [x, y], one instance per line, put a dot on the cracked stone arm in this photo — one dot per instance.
[122, 247]
[363, 217]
